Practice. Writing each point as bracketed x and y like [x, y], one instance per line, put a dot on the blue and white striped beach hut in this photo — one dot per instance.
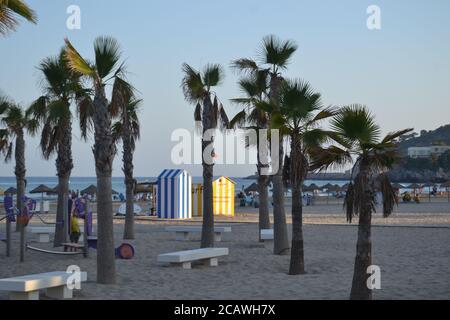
[174, 194]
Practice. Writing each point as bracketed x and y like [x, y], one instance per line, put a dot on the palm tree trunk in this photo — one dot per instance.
[208, 213]
[20, 172]
[363, 259]
[297, 265]
[209, 122]
[64, 166]
[281, 241]
[263, 179]
[280, 233]
[129, 181]
[62, 211]
[104, 150]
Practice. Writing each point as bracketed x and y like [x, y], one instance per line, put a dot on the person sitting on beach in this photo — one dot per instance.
[74, 229]
[416, 198]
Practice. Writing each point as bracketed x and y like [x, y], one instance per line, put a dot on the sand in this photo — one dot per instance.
[412, 250]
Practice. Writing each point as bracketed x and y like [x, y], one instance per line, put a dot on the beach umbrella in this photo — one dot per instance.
[397, 186]
[114, 191]
[91, 190]
[414, 186]
[327, 186]
[252, 188]
[11, 190]
[42, 189]
[345, 187]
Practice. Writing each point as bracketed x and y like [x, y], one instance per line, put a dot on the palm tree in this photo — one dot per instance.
[16, 122]
[9, 10]
[274, 57]
[208, 115]
[255, 87]
[298, 118]
[105, 69]
[61, 87]
[360, 134]
[127, 129]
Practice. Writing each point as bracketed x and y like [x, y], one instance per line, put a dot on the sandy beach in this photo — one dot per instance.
[411, 248]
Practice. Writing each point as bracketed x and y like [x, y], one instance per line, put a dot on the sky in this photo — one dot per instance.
[401, 72]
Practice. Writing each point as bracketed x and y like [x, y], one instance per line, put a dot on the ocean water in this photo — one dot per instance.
[80, 183]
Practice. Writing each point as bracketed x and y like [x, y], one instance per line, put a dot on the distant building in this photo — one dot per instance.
[426, 152]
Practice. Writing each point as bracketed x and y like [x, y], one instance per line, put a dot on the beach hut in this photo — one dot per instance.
[174, 194]
[197, 200]
[223, 197]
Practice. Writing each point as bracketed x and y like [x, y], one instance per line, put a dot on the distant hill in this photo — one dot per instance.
[426, 138]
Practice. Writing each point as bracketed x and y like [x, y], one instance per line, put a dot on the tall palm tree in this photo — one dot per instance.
[360, 134]
[61, 87]
[100, 73]
[16, 123]
[298, 118]
[197, 88]
[274, 58]
[127, 129]
[10, 10]
[255, 90]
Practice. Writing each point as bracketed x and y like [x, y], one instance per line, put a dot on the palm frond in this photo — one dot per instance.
[277, 52]
[394, 135]
[76, 62]
[388, 194]
[356, 124]
[192, 84]
[107, 55]
[85, 111]
[238, 120]
[224, 121]
[244, 65]
[9, 9]
[213, 75]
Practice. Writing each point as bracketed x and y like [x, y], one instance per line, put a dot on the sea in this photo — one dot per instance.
[80, 183]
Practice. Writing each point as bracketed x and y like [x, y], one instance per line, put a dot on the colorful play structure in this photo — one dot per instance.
[174, 194]
[124, 251]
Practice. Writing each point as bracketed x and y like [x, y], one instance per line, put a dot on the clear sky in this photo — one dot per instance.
[402, 72]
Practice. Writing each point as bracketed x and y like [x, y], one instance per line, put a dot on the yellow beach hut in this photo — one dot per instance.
[223, 197]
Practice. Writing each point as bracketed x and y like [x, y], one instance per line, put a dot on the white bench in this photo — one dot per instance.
[182, 232]
[42, 232]
[27, 287]
[266, 234]
[185, 258]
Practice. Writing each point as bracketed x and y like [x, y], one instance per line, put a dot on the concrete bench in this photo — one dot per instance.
[266, 234]
[182, 232]
[27, 287]
[185, 258]
[74, 247]
[43, 233]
